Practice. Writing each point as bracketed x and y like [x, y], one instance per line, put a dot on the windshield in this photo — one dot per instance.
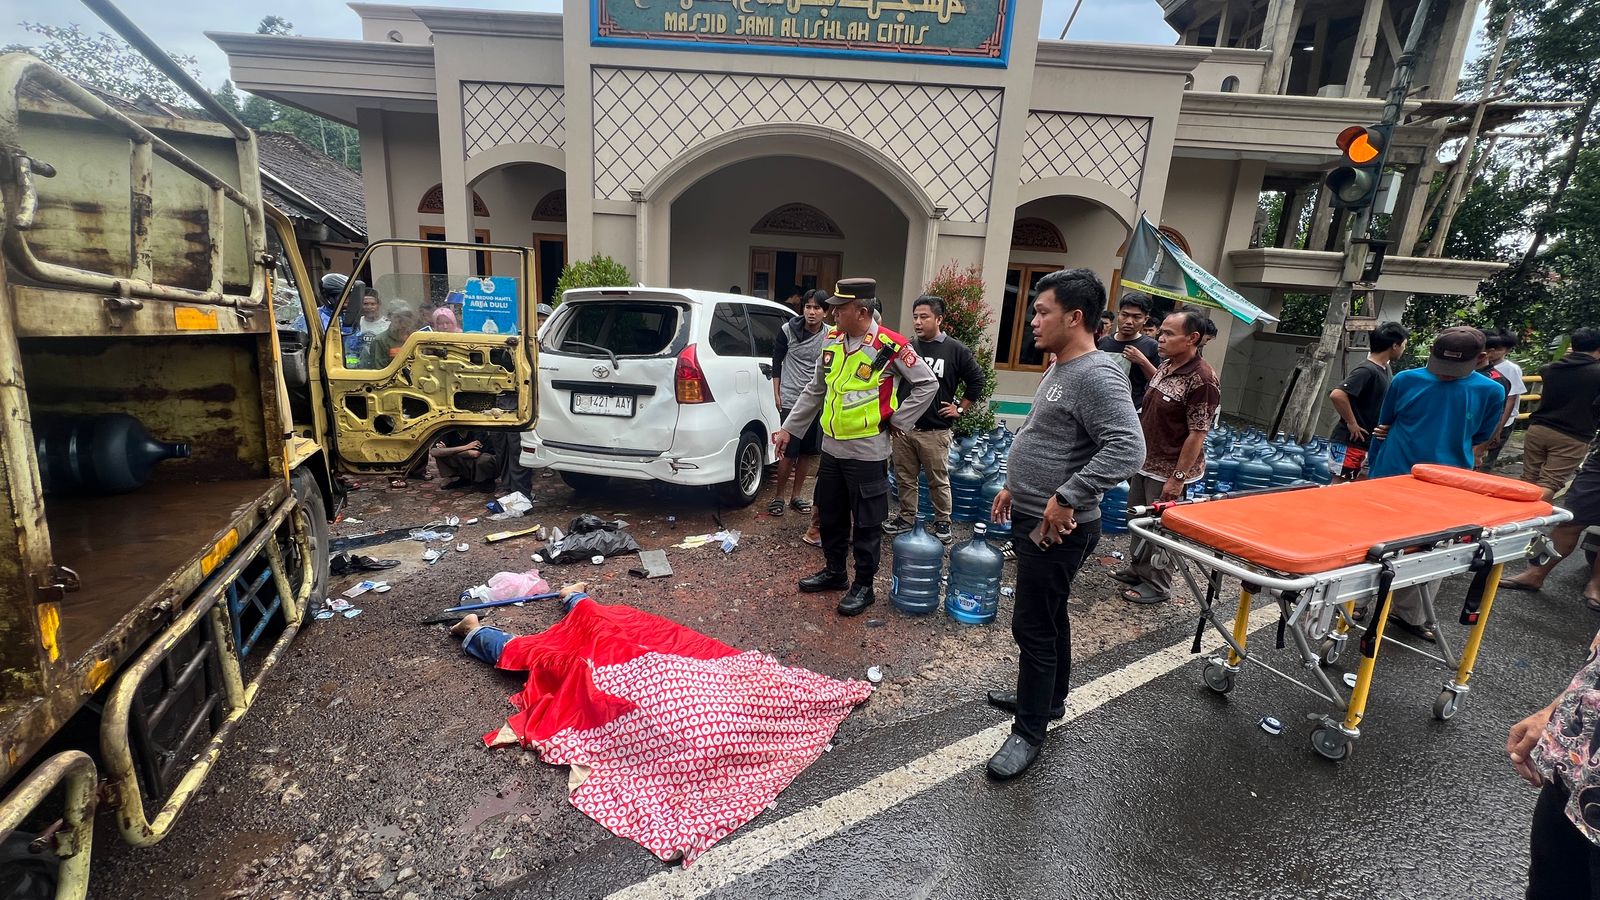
[626, 328]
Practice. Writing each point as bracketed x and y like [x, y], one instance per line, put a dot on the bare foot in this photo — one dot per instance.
[461, 628]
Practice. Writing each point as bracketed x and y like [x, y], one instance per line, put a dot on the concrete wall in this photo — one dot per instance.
[711, 222]
[511, 194]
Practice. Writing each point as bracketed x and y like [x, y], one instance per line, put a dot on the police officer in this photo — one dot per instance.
[855, 389]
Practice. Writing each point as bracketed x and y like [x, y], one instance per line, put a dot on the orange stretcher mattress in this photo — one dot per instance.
[1322, 529]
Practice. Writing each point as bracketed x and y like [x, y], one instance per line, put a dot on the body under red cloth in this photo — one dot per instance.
[683, 738]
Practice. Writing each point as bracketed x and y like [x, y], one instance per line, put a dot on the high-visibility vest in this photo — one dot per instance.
[860, 394]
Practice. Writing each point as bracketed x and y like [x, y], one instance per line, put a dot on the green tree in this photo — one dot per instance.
[105, 61]
[596, 271]
[275, 25]
[228, 97]
[967, 318]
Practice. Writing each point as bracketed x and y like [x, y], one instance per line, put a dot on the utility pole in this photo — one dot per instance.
[1311, 372]
[1460, 178]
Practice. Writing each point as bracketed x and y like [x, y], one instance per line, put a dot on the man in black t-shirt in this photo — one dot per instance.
[467, 459]
[1359, 398]
[1139, 353]
[926, 447]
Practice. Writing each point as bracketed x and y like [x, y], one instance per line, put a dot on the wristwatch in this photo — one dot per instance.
[1181, 475]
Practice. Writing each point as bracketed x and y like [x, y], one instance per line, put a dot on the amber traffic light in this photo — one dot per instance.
[1354, 184]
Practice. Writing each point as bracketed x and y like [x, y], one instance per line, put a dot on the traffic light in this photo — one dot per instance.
[1354, 184]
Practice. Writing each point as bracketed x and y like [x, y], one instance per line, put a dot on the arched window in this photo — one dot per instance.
[1037, 234]
[1177, 238]
[552, 207]
[1230, 84]
[433, 202]
[798, 218]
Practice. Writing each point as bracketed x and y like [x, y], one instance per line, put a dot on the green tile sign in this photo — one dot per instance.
[971, 32]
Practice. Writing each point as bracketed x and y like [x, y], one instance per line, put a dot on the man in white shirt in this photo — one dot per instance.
[1498, 344]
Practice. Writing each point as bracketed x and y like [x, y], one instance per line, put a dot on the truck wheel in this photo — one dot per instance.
[315, 510]
[749, 468]
[585, 482]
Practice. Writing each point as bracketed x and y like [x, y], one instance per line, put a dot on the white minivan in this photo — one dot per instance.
[658, 384]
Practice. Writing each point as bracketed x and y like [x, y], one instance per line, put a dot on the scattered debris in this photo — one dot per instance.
[652, 564]
[499, 536]
[353, 520]
[352, 613]
[360, 589]
[597, 559]
[511, 506]
[591, 536]
[875, 674]
[432, 556]
[1349, 679]
[1271, 725]
[729, 539]
[471, 521]
[874, 623]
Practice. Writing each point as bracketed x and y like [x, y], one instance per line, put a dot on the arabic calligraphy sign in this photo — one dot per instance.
[973, 32]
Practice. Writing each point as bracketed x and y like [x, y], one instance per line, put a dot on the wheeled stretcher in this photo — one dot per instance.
[1324, 552]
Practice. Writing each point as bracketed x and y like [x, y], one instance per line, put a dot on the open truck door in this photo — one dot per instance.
[432, 335]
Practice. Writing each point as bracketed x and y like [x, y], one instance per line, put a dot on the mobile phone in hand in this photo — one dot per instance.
[1038, 537]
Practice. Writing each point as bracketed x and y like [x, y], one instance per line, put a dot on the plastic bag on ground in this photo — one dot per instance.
[605, 540]
[589, 522]
[505, 585]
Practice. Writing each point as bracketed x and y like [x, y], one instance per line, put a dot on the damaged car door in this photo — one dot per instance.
[432, 335]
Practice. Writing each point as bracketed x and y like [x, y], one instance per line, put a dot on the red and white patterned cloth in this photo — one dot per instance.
[675, 739]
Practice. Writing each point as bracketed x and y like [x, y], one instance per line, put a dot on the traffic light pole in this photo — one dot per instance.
[1311, 372]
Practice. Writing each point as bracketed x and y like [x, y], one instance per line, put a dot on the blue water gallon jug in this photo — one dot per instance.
[1320, 470]
[966, 489]
[1114, 510]
[1255, 473]
[973, 594]
[1286, 469]
[967, 443]
[998, 531]
[918, 569]
[989, 462]
[1227, 474]
[953, 458]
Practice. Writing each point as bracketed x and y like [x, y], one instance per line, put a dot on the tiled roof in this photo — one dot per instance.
[298, 179]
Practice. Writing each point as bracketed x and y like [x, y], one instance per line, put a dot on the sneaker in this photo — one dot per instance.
[896, 525]
[941, 530]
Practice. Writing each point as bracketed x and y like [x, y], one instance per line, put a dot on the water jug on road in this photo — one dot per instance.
[998, 531]
[966, 488]
[973, 595]
[918, 569]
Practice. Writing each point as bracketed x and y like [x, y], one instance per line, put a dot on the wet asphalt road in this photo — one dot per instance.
[1173, 791]
[359, 773]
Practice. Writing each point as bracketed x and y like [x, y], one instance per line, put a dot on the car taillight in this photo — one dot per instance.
[692, 386]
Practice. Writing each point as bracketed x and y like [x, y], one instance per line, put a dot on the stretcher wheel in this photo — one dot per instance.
[1446, 705]
[1328, 651]
[1218, 676]
[1331, 743]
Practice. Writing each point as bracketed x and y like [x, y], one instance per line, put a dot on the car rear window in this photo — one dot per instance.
[626, 328]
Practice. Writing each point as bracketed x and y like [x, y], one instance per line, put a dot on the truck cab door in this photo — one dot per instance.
[441, 337]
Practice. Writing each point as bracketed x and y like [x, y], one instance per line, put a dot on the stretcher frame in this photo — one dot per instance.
[1320, 608]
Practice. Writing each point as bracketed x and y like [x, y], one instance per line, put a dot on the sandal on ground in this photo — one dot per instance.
[1509, 585]
[1420, 632]
[813, 541]
[1144, 594]
[1591, 603]
[775, 506]
[1008, 552]
[1127, 576]
[800, 505]
[397, 483]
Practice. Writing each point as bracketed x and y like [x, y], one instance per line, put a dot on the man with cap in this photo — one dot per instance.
[1442, 413]
[855, 388]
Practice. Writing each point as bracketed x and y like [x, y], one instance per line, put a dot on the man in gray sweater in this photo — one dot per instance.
[1081, 438]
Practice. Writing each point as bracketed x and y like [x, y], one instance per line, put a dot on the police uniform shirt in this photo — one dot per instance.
[906, 367]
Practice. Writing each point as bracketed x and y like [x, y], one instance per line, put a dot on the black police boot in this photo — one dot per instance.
[1007, 700]
[857, 600]
[826, 580]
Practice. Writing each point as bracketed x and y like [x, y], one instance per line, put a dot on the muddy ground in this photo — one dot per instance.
[360, 771]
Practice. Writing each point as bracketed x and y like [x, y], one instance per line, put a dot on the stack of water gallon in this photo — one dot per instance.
[1239, 461]
[972, 590]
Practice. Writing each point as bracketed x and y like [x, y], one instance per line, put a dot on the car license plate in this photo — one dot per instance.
[602, 404]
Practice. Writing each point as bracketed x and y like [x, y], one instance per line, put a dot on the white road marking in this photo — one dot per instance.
[726, 863]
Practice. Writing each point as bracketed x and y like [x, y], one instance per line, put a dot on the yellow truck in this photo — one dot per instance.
[143, 277]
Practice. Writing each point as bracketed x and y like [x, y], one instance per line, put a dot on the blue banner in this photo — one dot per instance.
[489, 305]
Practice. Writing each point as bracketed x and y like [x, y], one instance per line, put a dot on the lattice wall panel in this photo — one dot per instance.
[943, 136]
[1105, 148]
[495, 114]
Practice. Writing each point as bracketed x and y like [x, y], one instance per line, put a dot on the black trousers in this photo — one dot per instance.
[1565, 865]
[852, 497]
[1039, 623]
